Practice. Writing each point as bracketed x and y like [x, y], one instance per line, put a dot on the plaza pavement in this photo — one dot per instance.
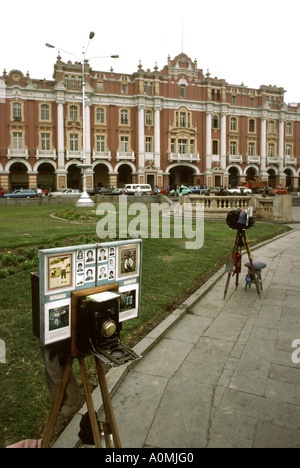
[217, 373]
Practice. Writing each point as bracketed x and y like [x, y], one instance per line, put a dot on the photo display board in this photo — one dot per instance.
[63, 271]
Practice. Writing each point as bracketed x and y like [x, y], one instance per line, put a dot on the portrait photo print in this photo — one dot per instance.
[128, 261]
[57, 320]
[59, 272]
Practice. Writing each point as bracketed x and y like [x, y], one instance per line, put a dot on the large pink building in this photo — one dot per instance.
[163, 127]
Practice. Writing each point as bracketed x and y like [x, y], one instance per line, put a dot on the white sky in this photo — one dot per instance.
[255, 41]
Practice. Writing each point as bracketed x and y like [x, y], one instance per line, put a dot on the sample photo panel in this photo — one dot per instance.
[128, 261]
[67, 270]
[59, 272]
[129, 301]
[57, 321]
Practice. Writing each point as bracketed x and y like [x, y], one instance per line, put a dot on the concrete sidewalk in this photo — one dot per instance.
[217, 373]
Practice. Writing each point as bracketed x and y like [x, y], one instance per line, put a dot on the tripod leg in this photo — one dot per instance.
[109, 413]
[227, 284]
[251, 263]
[90, 405]
[233, 255]
[56, 406]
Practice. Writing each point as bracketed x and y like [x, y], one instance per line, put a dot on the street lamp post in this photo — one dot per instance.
[84, 199]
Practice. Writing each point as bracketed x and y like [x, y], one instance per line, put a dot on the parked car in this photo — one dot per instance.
[67, 192]
[279, 191]
[262, 190]
[182, 190]
[160, 190]
[118, 191]
[239, 191]
[198, 190]
[139, 189]
[21, 193]
[98, 190]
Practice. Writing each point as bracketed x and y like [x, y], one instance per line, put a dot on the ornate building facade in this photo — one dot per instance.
[164, 127]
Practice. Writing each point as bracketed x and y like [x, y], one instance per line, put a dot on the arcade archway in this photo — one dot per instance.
[233, 177]
[18, 176]
[74, 177]
[181, 175]
[272, 178]
[124, 175]
[101, 177]
[46, 176]
[251, 173]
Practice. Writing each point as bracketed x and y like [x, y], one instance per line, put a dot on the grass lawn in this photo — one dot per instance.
[170, 273]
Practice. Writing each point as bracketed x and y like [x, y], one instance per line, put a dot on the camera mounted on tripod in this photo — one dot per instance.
[83, 294]
[98, 328]
[240, 219]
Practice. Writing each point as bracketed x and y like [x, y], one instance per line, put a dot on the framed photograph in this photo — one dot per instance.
[79, 256]
[112, 251]
[59, 272]
[129, 301]
[89, 275]
[102, 255]
[102, 272]
[79, 280]
[128, 261]
[111, 275]
[90, 256]
[57, 321]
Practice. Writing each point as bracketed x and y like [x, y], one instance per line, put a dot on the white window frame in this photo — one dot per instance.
[74, 142]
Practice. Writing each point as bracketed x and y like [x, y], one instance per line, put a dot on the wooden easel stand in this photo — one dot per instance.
[110, 426]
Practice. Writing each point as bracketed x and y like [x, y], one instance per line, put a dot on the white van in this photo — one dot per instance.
[139, 189]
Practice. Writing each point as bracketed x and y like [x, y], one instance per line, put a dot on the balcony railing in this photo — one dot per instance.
[102, 155]
[235, 158]
[125, 156]
[74, 155]
[253, 159]
[184, 157]
[290, 161]
[273, 160]
[17, 153]
[49, 154]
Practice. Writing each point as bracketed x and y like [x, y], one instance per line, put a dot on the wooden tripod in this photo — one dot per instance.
[234, 268]
[109, 427]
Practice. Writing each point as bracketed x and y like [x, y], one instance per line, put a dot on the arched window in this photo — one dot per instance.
[73, 113]
[148, 117]
[17, 111]
[73, 82]
[233, 124]
[100, 115]
[271, 126]
[124, 117]
[289, 128]
[45, 114]
[215, 121]
[252, 125]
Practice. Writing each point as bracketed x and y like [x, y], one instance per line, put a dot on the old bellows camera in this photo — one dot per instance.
[240, 219]
[98, 328]
[97, 320]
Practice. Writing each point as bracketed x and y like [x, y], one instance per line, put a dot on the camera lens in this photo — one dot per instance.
[109, 328]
